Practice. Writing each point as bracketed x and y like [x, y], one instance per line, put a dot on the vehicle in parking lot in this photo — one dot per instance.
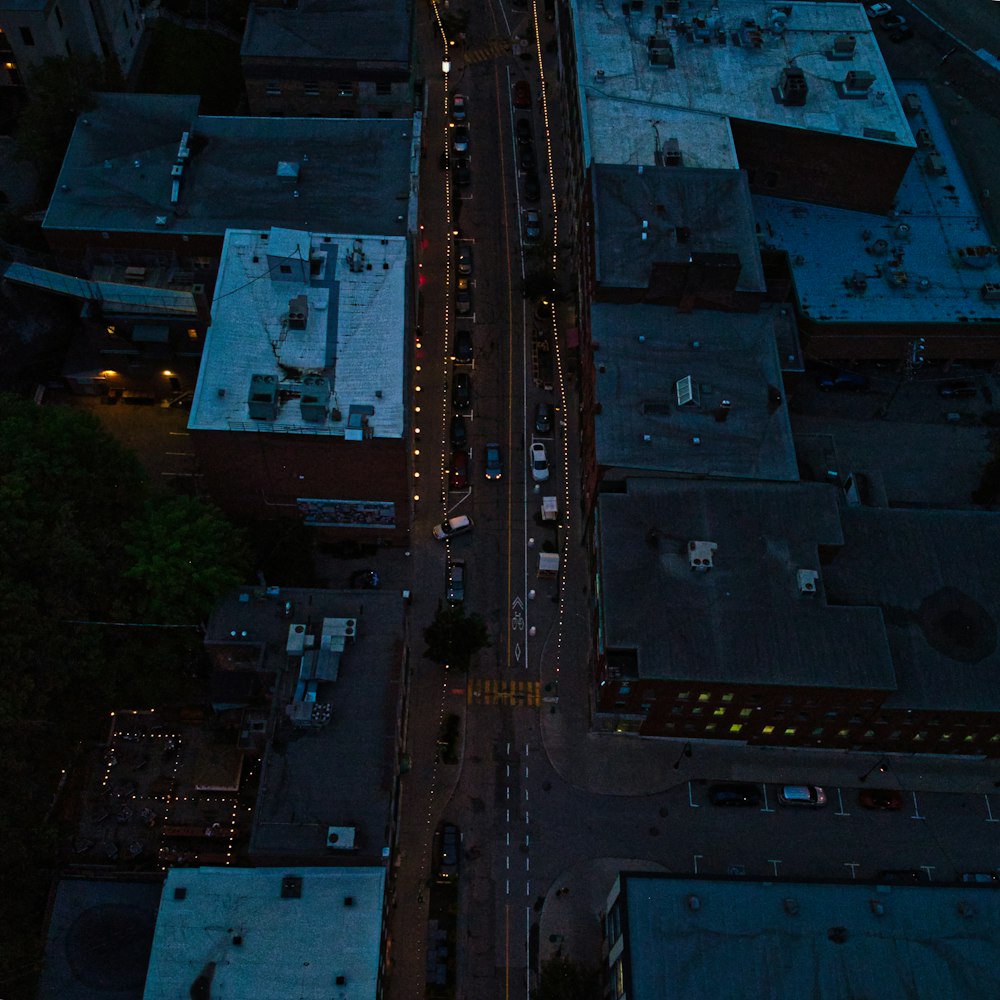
[903, 876]
[801, 795]
[463, 296]
[955, 387]
[981, 878]
[843, 381]
[459, 470]
[465, 264]
[532, 226]
[459, 435]
[461, 392]
[522, 94]
[456, 582]
[461, 171]
[891, 22]
[494, 461]
[901, 34]
[881, 798]
[460, 139]
[523, 131]
[526, 159]
[532, 187]
[463, 347]
[539, 462]
[734, 794]
[543, 418]
[457, 525]
[446, 855]
[878, 9]
[459, 108]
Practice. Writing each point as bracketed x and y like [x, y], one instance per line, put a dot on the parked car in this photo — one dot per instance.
[463, 347]
[465, 262]
[461, 392]
[522, 94]
[459, 434]
[458, 525]
[891, 22]
[459, 470]
[801, 795]
[526, 159]
[459, 108]
[456, 582]
[903, 876]
[957, 387]
[532, 226]
[878, 9]
[523, 131]
[461, 171]
[843, 381]
[734, 794]
[460, 139]
[543, 418]
[532, 187]
[494, 461]
[446, 855]
[539, 462]
[981, 878]
[463, 296]
[881, 798]
[901, 34]
[365, 579]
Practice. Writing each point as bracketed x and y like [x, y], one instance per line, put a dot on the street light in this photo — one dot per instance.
[685, 752]
[881, 764]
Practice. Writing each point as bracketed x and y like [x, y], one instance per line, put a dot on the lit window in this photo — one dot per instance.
[192, 333]
[727, 697]
[683, 695]
[970, 737]
[945, 736]
[790, 731]
[995, 738]
[843, 732]
[704, 696]
[735, 727]
[768, 730]
[697, 710]
[719, 711]
[745, 713]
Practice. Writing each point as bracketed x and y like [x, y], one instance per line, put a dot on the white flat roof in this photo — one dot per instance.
[257, 935]
[723, 76]
[355, 290]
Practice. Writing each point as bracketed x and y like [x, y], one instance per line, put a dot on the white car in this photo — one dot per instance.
[878, 9]
[452, 527]
[539, 462]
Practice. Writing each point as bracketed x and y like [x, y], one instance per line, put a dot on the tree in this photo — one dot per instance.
[562, 979]
[185, 556]
[454, 637]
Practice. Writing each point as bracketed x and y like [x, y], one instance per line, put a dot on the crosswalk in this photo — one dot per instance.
[483, 53]
[527, 694]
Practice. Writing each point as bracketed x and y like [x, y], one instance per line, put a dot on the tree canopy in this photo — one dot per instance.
[562, 979]
[454, 637]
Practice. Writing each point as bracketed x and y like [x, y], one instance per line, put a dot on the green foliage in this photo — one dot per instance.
[185, 556]
[562, 979]
[454, 637]
[59, 89]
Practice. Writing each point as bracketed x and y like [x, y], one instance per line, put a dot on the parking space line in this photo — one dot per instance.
[840, 805]
[989, 811]
[767, 808]
[916, 808]
[854, 866]
[691, 801]
[697, 858]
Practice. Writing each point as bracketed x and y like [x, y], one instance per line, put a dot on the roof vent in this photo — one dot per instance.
[693, 903]
[341, 980]
[838, 935]
[792, 88]
[291, 887]
[807, 580]
[180, 892]
[843, 47]
[791, 906]
[599, 76]
[877, 907]
[856, 84]
[340, 838]
[298, 312]
[647, 439]
[700, 555]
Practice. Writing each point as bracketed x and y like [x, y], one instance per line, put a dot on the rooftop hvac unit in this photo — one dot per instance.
[340, 838]
[263, 397]
[807, 580]
[934, 165]
[700, 556]
[857, 83]
[792, 87]
[315, 398]
[843, 47]
[911, 104]
[990, 291]
[672, 153]
[924, 140]
[298, 312]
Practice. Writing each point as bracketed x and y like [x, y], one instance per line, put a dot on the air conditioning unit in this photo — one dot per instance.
[700, 556]
[808, 581]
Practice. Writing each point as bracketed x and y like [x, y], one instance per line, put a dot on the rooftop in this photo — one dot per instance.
[268, 932]
[785, 940]
[338, 774]
[651, 215]
[375, 32]
[745, 620]
[925, 262]
[345, 175]
[642, 352]
[729, 62]
[936, 575]
[307, 336]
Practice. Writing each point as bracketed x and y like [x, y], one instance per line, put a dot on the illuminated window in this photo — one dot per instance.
[768, 730]
[683, 695]
[921, 736]
[710, 726]
[719, 711]
[790, 731]
[995, 738]
[843, 732]
[192, 333]
[697, 710]
[970, 737]
[745, 713]
[727, 697]
[735, 727]
[704, 696]
[946, 736]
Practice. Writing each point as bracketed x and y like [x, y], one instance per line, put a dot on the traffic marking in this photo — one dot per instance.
[503, 692]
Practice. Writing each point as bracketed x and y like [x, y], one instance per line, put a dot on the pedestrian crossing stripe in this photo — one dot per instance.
[499, 692]
[491, 50]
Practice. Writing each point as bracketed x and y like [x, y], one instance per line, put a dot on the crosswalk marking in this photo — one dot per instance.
[482, 53]
[500, 692]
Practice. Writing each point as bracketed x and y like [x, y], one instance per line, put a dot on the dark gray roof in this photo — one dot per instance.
[353, 175]
[775, 939]
[936, 574]
[730, 356]
[649, 215]
[744, 621]
[376, 32]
